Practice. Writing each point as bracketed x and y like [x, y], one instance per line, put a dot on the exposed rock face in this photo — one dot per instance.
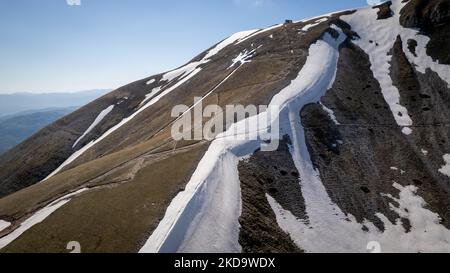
[384, 10]
[34, 159]
[433, 18]
[274, 174]
[360, 157]
[425, 14]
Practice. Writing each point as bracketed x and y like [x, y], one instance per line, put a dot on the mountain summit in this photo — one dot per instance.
[362, 155]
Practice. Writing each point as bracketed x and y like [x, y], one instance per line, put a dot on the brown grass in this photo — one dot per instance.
[114, 219]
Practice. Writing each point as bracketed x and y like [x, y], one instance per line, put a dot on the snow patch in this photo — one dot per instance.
[337, 233]
[239, 37]
[78, 153]
[4, 225]
[421, 60]
[316, 23]
[151, 81]
[407, 131]
[217, 203]
[243, 57]
[330, 114]
[445, 170]
[402, 172]
[151, 95]
[182, 74]
[258, 33]
[384, 32]
[97, 120]
[37, 218]
[178, 223]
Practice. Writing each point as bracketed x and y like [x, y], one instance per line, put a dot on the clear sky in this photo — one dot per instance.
[52, 46]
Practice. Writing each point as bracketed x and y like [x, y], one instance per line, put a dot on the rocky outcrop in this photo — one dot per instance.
[433, 18]
[425, 14]
[274, 174]
[384, 10]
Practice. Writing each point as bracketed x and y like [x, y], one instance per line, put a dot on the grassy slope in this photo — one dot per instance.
[114, 218]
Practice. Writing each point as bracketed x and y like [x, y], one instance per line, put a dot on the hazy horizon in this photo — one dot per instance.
[51, 92]
[50, 46]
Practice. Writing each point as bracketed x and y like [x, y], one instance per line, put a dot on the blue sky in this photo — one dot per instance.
[49, 46]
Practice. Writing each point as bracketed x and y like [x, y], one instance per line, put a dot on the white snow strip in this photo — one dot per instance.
[171, 232]
[240, 36]
[407, 131]
[78, 153]
[328, 228]
[243, 57]
[327, 15]
[445, 170]
[219, 204]
[258, 32]
[152, 94]
[330, 114]
[383, 34]
[421, 60]
[4, 225]
[151, 81]
[183, 74]
[97, 120]
[426, 234]
[37, 218]
[316, 23]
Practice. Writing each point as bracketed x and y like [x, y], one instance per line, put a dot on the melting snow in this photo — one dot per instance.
[218, 202]
[183, 74]
[97, 120]
[318, 17]
[446, 168]
[258, 33]
[333, 232]
[239, 37]
[402, 172]
[421, 60]
[243, 57]
[307, 87]
[385, 32]
[330, 114]
[151, 81]
[407, 131]
[152, 94]
[316, 23]
[328, 228]
[37, 218]
[4, 225]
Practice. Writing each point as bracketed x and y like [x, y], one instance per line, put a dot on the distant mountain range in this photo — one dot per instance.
[23, 114]
[11, 104]
[16, 128]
